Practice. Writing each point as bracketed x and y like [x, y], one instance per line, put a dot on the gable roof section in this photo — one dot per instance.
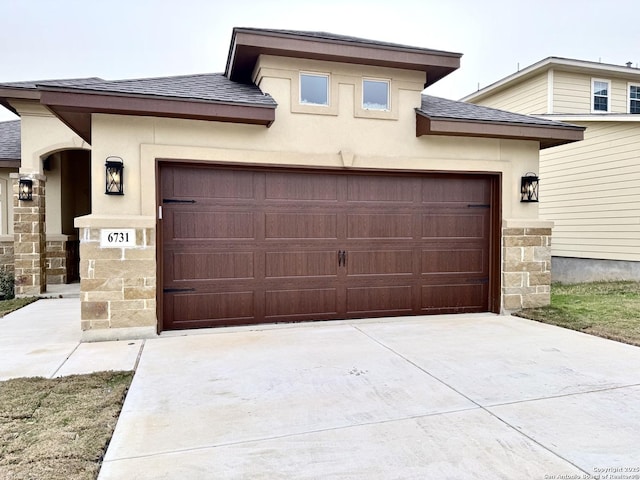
[247, 44]
[565, 64]
[10, 144]
[201, 97]
[439, 116]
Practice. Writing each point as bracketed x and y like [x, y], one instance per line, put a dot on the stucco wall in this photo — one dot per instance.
[43, 135]
[302, 139]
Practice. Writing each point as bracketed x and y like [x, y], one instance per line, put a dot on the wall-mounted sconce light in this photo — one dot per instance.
[529, 187]
[114, 176]
[25, 189]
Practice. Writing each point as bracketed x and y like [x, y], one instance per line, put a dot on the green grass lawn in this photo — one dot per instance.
[607, 309]
[8, 306]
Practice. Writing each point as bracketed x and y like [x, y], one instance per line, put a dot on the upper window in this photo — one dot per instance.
[375, 94]
[634, 98]
[314, 89]
[600, 95]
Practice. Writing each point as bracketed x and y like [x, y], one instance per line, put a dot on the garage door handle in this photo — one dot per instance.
[176, 200]
[342, 258]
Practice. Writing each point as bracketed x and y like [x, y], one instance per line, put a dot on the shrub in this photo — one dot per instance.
[7, 283]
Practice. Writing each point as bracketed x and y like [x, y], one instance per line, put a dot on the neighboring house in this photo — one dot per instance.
[9, 163]
[309, 181]
[588, 189]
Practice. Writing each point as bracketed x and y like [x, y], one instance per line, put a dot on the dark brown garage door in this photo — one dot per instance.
[244, 246]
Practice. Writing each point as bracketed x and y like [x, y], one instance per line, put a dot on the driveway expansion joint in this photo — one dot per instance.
[564, 395]
[291, 435]
[482, 407]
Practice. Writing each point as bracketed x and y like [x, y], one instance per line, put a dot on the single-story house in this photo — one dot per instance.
[588, 189]
[312, 180]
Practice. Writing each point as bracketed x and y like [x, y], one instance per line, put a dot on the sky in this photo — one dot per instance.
[115, 39]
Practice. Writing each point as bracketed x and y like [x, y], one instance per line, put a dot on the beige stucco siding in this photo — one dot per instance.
[42, 136]
[528, 97]
[589, 189]
[346, 137]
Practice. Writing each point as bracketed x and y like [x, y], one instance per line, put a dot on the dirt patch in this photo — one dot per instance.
[58, 428]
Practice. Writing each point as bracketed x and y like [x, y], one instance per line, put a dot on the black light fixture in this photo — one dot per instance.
[529, 187]
[25, 189]
[114, 176]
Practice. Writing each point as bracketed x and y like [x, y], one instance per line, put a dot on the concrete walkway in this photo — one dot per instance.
[43, 340]
[446, 397]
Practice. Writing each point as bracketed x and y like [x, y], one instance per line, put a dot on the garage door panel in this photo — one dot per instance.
[300, 225]
[213, 306]
[380, 262]
[296, 187]
[453, 296]
[383, 226]
[213, 266]
[213, 225]
[453, 226]
[455, 190]
[447, 260]
[382, 299]
[301, 264]
[211, 184]
[380, 190]
[282, 303]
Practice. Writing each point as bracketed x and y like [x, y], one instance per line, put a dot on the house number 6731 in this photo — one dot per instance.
[117, 237]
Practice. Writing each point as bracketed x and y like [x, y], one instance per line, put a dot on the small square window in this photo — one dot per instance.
[375, 95]
[314, 89]
[634, 98]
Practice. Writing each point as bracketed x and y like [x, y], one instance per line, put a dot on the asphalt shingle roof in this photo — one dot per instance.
[65, 82]
[209, 87]
[436, 107]
[10, 140]
[345, 38]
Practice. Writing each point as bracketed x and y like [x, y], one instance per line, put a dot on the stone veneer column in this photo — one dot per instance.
[56, 260]
[117, 286]
[29, 238]
[526, 264]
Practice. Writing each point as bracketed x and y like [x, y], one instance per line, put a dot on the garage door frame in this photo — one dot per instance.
[495, 178]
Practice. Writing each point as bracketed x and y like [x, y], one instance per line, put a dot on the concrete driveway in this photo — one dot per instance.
[447, 397]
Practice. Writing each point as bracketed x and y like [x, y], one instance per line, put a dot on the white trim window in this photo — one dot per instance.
[634, 98]
[314, 89]
[375, 94]
[601, 95]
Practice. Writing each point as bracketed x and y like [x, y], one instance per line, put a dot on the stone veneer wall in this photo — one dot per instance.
[56, 262]
[526, 267]
[29, 236]
[117, 285]
[6, 253]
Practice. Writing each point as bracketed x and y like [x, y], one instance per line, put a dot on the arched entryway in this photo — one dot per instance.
[68, 195]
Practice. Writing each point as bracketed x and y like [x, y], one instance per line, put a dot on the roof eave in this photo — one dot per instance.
[547, 135]
[9, 162]
[74, 108]
[247, 45]
[12, 93]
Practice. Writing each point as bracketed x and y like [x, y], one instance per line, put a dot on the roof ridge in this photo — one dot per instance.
[167, 77]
